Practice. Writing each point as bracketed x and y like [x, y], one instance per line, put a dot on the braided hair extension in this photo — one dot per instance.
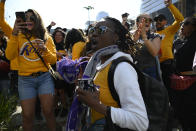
[125, 42]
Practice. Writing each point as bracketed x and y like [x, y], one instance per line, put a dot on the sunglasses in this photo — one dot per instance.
[100, 30]
[31, 18]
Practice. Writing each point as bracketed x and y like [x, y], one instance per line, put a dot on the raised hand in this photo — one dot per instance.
[52, 23]
[140, 30]
[143, 28]
[18, 26]
[167, 2]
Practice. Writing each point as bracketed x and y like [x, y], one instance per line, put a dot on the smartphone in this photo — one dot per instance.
[86, 84]
[21, 15]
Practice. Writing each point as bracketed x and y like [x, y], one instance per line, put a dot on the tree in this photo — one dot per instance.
[89, 8]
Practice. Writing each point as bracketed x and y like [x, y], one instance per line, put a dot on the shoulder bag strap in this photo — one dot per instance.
[111, 76]
[42, 59]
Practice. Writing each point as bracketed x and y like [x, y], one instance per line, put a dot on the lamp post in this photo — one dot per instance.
[89, 8]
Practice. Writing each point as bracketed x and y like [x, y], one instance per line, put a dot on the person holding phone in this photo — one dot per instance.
[28, 40]
[108, 41]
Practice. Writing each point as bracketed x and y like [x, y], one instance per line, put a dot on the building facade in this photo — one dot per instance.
[154, 7]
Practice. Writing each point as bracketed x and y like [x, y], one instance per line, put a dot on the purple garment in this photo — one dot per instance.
[77, 109]
[74, 115]
[69, 69]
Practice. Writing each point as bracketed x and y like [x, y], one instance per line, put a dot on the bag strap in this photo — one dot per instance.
[42, 59]
[112, 68]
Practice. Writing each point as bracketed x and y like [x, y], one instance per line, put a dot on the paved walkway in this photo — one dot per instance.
[39, 125]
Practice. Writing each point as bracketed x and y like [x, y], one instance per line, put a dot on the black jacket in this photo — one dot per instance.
[184, 56]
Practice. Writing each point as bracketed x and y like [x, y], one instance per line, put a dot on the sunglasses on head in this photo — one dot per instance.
[100, 30]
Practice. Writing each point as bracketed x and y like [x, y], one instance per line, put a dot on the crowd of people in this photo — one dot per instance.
[30, 51]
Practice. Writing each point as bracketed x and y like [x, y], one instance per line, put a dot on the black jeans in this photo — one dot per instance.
[167, 68]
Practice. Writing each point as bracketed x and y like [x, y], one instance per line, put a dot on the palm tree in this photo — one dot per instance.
[89, 8]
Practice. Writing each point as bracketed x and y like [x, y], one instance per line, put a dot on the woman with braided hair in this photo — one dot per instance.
[108, 41]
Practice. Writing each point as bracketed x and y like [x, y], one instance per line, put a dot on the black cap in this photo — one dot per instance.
[65, 29]
[160, 17]
[57, 28]
[125, 15]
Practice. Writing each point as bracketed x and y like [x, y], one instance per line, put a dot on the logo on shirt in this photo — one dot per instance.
[28, 52]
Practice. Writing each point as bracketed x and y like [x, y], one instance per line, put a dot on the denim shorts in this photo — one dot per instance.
[31, 86]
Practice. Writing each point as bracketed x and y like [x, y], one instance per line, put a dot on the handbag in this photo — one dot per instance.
[54, 74]
[181, 82]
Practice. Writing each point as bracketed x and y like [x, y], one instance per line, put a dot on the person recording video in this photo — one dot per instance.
[34, 47]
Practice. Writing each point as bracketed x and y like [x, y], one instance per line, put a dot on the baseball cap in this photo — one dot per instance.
[125, 15]
[160, 17]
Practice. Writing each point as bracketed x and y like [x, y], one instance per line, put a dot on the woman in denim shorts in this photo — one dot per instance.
[30, 38]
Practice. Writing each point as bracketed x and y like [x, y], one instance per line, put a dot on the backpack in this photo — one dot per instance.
[154, 94]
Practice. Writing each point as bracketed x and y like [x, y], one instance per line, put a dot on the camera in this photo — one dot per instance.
[21, 15]
[86, 84]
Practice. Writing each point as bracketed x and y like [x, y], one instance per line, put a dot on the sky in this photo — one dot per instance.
[71, 13]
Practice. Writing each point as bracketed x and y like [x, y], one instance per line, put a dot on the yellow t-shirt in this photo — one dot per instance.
[77, 50]
[168, 34]
[101, 80]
